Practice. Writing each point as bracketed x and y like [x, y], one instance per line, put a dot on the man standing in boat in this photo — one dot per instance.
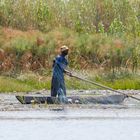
[59, 68]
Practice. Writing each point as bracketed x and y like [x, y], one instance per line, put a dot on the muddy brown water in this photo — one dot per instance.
[71, 122]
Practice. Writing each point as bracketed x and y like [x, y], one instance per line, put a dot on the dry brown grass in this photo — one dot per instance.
[34, 50]
[9, 34]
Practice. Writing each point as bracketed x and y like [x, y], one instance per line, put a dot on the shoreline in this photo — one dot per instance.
[8, 102]
[74, 92]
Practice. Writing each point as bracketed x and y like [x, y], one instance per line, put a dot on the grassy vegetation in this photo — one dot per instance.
[80, 15]
[33, 82]
[27, 83]
[103, 36]
[133, 83]
[9, 84]
[22, 52]
[121, 81]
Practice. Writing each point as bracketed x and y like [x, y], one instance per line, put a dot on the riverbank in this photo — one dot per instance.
[30, 81]
[103, 42]
[26, 59]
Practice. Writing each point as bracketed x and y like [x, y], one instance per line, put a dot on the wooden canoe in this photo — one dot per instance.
[104, 99]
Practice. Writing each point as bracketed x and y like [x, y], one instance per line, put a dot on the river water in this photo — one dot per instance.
[69, 122]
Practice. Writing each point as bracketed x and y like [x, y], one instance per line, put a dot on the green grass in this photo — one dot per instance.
[72, 83]
[124, 80]
[26, 84]
[30, 82]
[11, 85]
[124, 84]
[8, 84]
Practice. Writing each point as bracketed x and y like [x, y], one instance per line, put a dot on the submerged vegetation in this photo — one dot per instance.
[103, 37]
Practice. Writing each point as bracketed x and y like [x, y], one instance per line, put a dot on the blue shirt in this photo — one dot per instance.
[59, 66]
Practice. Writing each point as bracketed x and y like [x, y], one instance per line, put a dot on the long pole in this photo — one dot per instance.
[105, 87]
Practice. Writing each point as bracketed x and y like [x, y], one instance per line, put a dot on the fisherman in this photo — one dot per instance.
[59, 68]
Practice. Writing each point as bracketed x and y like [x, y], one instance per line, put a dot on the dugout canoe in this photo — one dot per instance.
[104, 99]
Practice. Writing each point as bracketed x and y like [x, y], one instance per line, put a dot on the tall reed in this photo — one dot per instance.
[79, 15]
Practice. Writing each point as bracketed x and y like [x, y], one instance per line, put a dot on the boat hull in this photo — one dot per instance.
[108, 99]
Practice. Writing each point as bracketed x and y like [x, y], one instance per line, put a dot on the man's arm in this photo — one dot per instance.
[53, 63]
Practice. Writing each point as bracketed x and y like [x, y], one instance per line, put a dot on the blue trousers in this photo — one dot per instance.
[57, 87]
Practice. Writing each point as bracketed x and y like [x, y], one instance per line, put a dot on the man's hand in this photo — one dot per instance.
[68, 73]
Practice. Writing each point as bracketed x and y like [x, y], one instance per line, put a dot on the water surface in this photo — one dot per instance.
[69, 122]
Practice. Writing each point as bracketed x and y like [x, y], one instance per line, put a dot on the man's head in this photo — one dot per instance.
[64, 50]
